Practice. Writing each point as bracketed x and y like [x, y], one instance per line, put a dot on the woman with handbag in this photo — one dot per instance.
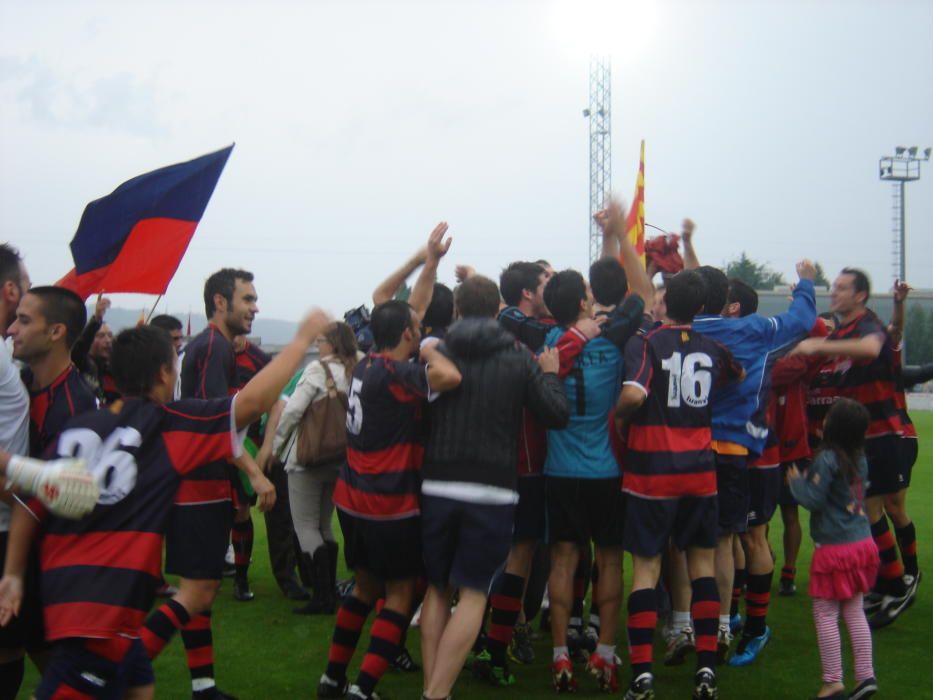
[312, 438]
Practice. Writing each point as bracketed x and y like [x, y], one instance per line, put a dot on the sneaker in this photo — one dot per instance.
[872, 603]
[562, 674]
[590, 639]
[292, 590]
[404, 663]
[864, 690]
[705, 685]
[642, 688]
[893, 606]
[787, 587]
[241, 591]
[479, 661]
[328, 687]
[497, 675]
[605, 672]
[723, 642]
[749, 648]
[355, 693]
[520, 649]
[735, 623]
[679, 644]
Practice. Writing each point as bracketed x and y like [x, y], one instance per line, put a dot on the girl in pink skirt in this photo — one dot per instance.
[845, 560]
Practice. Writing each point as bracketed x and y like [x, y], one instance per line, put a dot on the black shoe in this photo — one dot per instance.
[241, 591]
[893, 606]
[229, 570]
[329, 687]
[705, 688]
[642, 688]
[788, 587]
[872, 603]
[292, 591]
[864, 690]
[404, 663]
[213, 693]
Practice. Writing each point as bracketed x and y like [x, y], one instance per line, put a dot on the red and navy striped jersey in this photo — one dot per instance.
[208, 371]
[872, 382]
[100, 573]
[248, 363]
[668, 450]
[900, 397]
[385, 440]
[68, 395]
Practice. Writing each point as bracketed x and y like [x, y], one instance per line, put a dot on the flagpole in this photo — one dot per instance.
[153, 309]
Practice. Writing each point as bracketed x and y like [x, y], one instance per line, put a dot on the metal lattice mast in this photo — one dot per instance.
[599, 115]
[897, 233]
[901, 168]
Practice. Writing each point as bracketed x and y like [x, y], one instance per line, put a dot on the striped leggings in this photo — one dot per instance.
[826, 617]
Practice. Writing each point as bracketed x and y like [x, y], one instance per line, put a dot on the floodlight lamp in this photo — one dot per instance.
[899, 151]
[927, 152]
[586, 112]
[912, 151]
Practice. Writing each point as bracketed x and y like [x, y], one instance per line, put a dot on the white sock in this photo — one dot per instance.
[607, 652]
[679, 620]
[724, 620]
[559, 652]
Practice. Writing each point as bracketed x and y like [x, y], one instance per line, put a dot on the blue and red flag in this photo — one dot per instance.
[133, 239]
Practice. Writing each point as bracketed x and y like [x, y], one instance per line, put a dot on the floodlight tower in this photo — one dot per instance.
[901, 168]
[600, 145]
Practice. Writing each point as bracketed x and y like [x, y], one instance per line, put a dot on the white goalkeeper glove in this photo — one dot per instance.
[64, 486]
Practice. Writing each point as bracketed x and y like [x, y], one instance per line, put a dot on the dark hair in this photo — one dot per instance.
[827, 315]
[844, 434]
[608, 281]
[222, 282]
[860, 281]
[563, 294]
[10, 261]
[60, 305]
[477, 297]
[342, 338]
[717, 289]
[388, 321]
[518, 277]
[744, 295]
[138, 355]
[440, 311]
[684, 294]
[166, 323]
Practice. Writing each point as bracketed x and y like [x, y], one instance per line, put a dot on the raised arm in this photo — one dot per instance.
[610, 242]
[691, 261]
[443, 374]
[390, 285]
[896, 327]
[435, 249]
[638, 281]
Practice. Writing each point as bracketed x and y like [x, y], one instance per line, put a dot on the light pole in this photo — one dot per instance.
[902, 167]
[600, 117]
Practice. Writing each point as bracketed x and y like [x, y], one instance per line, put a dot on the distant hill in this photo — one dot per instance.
[269, 331]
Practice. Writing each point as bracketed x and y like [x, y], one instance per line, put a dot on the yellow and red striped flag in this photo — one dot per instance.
[635, 221]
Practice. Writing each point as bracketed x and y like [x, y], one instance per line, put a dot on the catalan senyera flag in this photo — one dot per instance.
[635, 221]
[133, 239]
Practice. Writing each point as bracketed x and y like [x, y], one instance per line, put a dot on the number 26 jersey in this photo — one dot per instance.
[669, 453]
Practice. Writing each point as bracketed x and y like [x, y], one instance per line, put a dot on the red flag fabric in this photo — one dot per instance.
[635, 221]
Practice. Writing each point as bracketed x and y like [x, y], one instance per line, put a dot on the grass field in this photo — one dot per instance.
[263, 651]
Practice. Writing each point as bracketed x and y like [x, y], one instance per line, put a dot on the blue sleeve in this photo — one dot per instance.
[795, 323]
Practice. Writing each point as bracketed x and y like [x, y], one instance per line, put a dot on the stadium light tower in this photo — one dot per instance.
[901, 168]
[600, 145]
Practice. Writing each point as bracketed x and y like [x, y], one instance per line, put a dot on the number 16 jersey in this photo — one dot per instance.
[669, 452]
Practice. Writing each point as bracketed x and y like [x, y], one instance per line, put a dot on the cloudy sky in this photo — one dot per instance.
[359, 125]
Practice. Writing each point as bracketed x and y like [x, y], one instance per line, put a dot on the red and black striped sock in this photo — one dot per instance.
[199, 649]
[704, 608]
[161, 624]
[738, 585]
[757, 598]
[350, 620]
[242, 539]
[907, 543]
[506, 605]
[384, 639]
[891, 571]
[788, 573]
[642, 619]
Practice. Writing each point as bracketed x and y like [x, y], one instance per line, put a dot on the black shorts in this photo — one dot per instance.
[787, 498]
[890, 463]
[691, 521]
[584, 510]
[75, 671]
[764, 492]
[27, 629]
[196, 540]
[531, 510]
[465, 544]
[387, 549]
[732, 492]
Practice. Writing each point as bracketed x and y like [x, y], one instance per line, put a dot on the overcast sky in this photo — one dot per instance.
[359, 125]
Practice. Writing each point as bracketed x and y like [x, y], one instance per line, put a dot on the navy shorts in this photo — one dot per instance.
[787, 498]
[585, 510]
[691, 521]
[196, 540]
[531, 510]
[80, 668]
[764, 492]
[732, 488]
[465, 544]
[890, 463]
[387, 549]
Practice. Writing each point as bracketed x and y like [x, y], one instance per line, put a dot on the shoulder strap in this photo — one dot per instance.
[329, 381]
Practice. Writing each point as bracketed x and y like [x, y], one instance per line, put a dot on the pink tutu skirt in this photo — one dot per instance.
[839, 571]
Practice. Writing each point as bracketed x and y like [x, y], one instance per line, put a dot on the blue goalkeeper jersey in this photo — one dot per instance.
[755, 342]
[582, 449]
